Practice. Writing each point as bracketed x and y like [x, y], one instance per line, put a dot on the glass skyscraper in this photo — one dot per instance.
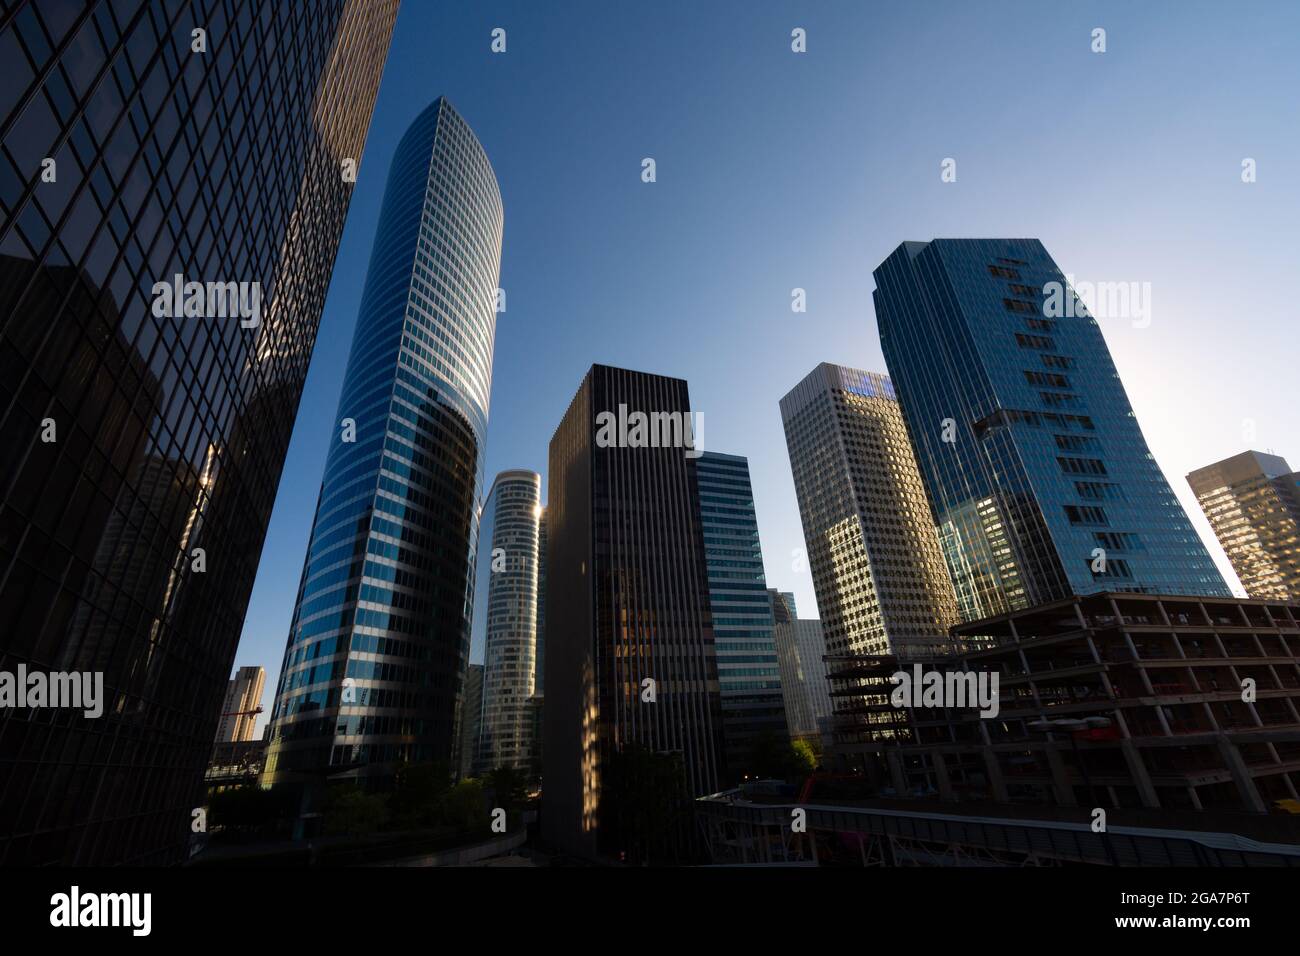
[143, 443]
[379, 640]
[505, 620]
[1040, 480]
[749, 675]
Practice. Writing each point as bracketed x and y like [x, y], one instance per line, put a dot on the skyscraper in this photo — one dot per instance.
[239, 709]
[144, 437]
[506, 615]
[810, 643]
[1252, 501]
[632, 694]
[749, 676]
[379, 639]
[798, 707]
[801, 651]
[877, 571]
[1040, 480]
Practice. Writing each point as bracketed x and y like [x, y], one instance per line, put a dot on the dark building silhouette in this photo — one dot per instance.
[131, 153]
[627, 601]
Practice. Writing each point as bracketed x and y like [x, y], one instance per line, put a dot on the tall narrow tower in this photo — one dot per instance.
[242, 703]
[506, 614]
[379, 640]
[749, 674]
[632, 719]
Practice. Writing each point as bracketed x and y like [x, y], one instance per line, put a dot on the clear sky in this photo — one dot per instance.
[778, 170]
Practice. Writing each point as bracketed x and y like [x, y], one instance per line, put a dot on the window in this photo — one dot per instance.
[1086, 514]
[1035, 342]
[1082, 466]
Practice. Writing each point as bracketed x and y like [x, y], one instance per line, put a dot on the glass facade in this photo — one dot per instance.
[749, 675]
[379, 640]
[143, 444]
[1031, 454]
[505, 620]
[1252, 501]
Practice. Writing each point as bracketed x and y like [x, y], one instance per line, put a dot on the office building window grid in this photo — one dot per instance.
[127, 159]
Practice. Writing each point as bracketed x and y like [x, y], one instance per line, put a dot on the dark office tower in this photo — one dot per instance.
[128, 159]
[748, 671]
[1252, 501]
[379, 640]
[628, 619]
[471, 712]
[1040, 481]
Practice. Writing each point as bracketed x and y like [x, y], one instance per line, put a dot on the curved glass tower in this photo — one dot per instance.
[380, 635]
[505, 620]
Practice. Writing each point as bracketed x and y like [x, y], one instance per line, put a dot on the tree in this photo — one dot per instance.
[418, 789]
[775, 756]
[351, 810]
[805, 757]
[464, 807]
[508, 788]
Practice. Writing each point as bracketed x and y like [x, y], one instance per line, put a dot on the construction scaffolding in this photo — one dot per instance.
[1113, 700]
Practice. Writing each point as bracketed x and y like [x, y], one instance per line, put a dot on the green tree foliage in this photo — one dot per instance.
[508, 788]
[775, 757]
[465, 808]
[418, 791]
[351, 810]
[805, 757]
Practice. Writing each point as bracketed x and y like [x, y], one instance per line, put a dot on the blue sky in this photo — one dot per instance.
[779, 170]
